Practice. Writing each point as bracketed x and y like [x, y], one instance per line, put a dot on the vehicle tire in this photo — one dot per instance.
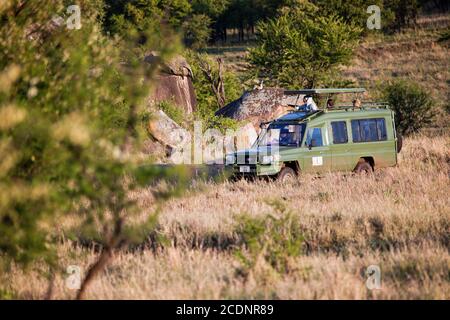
[399, 142]
[286, 174]
[363, 167]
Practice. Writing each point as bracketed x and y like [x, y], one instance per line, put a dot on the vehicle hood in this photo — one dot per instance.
[261, 150]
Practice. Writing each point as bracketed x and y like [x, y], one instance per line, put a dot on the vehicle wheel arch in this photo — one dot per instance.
[295, 165]
[369, 159]
[363, 161]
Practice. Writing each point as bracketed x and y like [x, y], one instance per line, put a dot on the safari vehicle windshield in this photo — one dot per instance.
[283, 135]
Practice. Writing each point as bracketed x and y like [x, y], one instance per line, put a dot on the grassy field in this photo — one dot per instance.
[311, 239]
[323, 233]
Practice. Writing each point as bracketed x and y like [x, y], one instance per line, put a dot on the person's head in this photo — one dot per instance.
[305, 99]
[356, 103]
[330, 103]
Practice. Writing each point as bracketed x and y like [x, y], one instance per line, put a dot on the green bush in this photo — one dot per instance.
[276, 240]
[175, 113]
[412, 104]
[445, 35]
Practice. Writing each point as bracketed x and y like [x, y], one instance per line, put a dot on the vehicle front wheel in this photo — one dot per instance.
[363, 167]
[286, 175]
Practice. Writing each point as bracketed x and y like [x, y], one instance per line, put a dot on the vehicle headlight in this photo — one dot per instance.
[230, 159]
[270, 159]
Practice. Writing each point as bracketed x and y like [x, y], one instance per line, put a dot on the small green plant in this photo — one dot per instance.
[7, 294]
[273, 240]
[174, 112]
[445, 35]
[321, 197]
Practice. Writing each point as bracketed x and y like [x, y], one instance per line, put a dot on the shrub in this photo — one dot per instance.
[274, 239]
[174, 112]
[412, 105]
[445, 35]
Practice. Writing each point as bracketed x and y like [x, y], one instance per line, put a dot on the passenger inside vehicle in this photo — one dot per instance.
[308, 105]
[330, 104]
[356, 103]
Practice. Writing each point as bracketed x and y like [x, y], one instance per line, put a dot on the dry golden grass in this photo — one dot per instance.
[398, 219]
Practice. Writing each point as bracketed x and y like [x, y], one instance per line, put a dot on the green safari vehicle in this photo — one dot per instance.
[356, 138]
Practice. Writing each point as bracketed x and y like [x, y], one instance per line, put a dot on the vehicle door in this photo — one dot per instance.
[317, 151]
[340, 147]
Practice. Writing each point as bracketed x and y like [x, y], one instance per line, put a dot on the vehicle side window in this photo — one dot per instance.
[339, 132]
[314, 137]
[368, 130]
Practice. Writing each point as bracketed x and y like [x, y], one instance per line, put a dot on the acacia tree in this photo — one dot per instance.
[300, 48]
[70, 104]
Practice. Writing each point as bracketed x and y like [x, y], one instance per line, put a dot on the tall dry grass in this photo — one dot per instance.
[398, 219]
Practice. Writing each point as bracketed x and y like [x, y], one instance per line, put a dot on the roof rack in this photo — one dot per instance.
[375, 104]
[324, 91]
[371, 105]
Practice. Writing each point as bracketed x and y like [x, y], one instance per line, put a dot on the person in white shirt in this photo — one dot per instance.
[308, 105]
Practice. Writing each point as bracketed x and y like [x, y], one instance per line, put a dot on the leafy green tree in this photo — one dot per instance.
[211, 8]
[70, 104]
[412, 104]
[352, 11]
[300, 48]
[208, 101]
[123, 16]
[197, 31]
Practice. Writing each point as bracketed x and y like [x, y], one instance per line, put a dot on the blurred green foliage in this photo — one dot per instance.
[70, 104]
[174, 112]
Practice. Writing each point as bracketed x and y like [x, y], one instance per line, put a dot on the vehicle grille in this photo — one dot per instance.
[247, 159]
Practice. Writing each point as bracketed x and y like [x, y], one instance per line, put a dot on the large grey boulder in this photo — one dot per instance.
[166, 131]
[258, 106]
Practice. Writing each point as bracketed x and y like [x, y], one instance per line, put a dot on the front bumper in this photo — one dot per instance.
[258, 169]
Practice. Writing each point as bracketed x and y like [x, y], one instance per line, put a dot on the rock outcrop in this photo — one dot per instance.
[173, 83]
[167, 131]
[259, 106]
